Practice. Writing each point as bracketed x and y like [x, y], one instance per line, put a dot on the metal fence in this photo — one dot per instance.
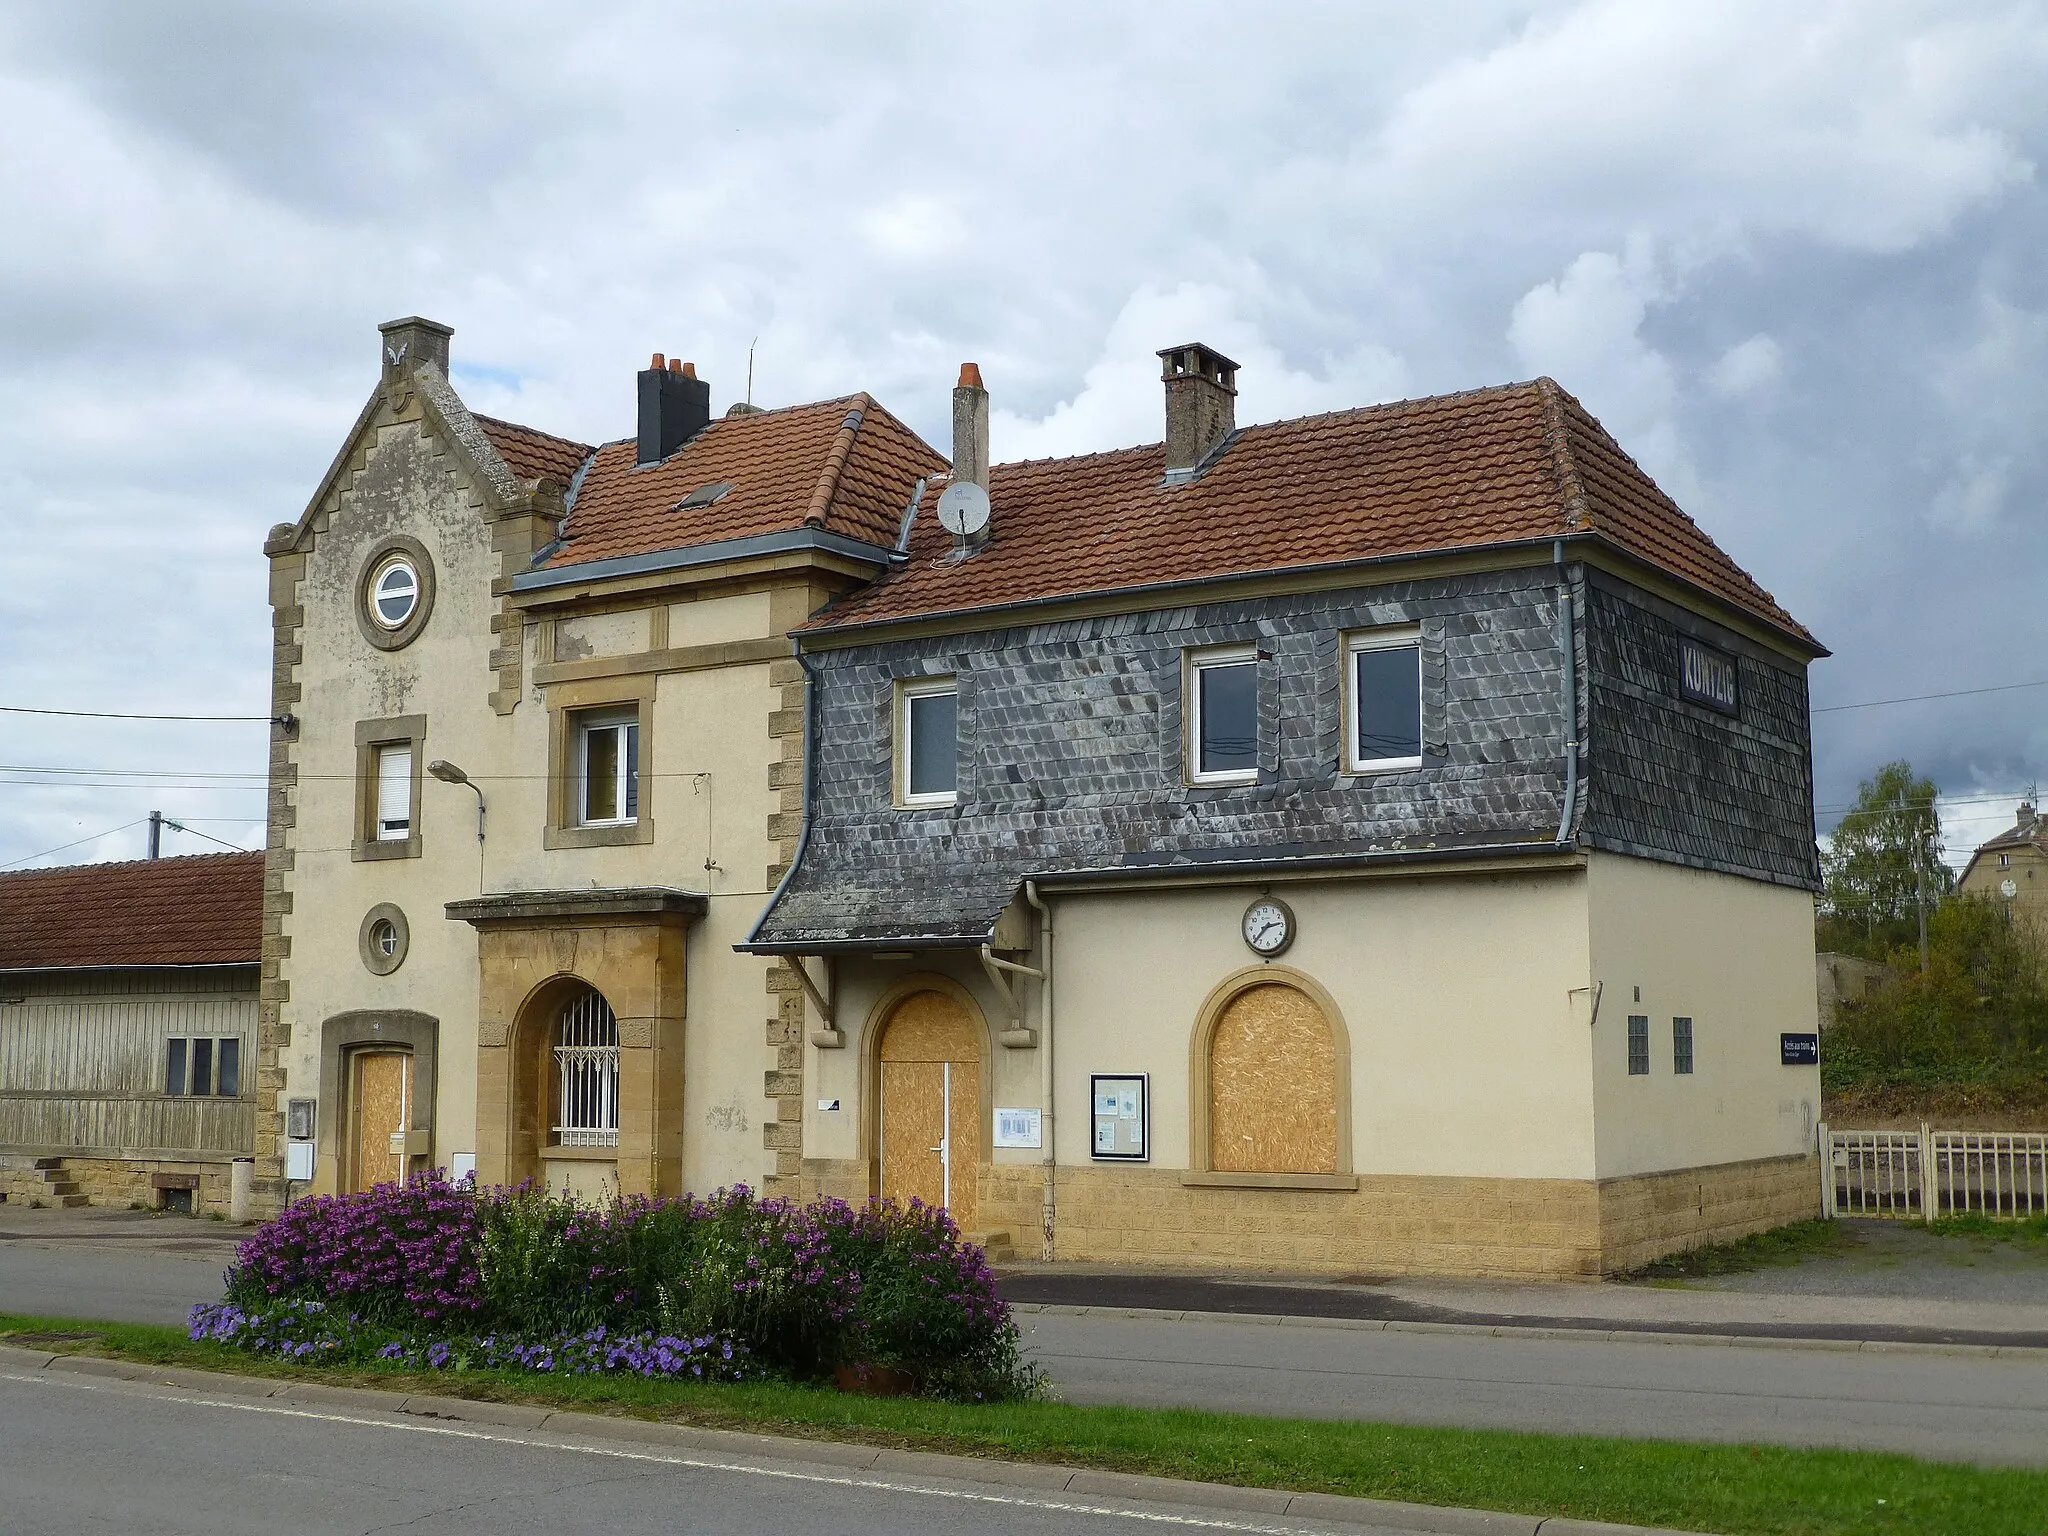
[1924, 1174]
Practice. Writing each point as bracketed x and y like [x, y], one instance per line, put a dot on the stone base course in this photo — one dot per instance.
[1390, 1225]
[118, 1183]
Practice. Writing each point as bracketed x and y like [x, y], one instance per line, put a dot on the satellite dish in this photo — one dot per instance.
[963, 509]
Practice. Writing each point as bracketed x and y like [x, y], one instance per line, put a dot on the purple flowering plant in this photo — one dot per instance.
[446, 1276]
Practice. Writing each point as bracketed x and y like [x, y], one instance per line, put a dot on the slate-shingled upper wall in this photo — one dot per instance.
[1070, 752]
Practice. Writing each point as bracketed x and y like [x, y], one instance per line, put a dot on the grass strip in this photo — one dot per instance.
[1790, 1244]
[1741, 1490]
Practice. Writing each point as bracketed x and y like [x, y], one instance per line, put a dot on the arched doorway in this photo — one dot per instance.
[930, 1130]
[380, 1090]
[1273, 1084]
[566, 1092]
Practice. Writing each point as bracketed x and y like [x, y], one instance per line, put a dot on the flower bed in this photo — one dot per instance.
[446, 1277]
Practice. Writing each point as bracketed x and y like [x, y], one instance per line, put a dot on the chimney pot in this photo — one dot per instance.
[689, 370]
[675, 405]
[1201, 404]
[970, 427]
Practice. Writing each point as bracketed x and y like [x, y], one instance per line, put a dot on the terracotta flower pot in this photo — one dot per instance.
[875, 1380]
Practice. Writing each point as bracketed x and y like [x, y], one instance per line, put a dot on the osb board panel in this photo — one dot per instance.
[1272, 1085]
[913, 1120]
[929, 1026]
[379, 1104]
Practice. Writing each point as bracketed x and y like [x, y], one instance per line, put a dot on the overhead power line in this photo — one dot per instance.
[89, 838]
[102, 714]
[1917, 698]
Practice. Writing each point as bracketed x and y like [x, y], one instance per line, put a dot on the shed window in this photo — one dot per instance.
[1681, 1046]
[607, 770]
[1383, 700]
[1639, 1045]
[201, 1067]
[1223, 717]
[929, 743]
[394, 793]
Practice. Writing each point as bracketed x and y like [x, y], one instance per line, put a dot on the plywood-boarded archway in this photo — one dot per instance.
[928, 1073]
[1270, 1071]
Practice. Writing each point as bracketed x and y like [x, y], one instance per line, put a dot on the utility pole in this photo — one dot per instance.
[1920, 898]
[156, 833]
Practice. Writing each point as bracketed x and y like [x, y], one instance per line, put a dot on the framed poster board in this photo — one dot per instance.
[1121, 1116]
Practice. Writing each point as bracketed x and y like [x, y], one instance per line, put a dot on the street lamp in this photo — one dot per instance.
[448, 773]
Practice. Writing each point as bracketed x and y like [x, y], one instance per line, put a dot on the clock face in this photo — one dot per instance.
[1268, 926]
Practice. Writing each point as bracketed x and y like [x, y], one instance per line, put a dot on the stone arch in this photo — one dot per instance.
[533, 1084]
[1271, 1042]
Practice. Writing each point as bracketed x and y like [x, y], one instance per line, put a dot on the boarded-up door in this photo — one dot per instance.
[931, 1104]
[1272, 1085]
[380, 1096]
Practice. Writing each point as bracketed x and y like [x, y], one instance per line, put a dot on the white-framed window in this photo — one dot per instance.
[1681, 1046]
[203, 1067]
[928, 742]
[1382, 700]
[606, 767]
[587, 1073]
[1223, 716]
[394, 592]
[394, 793]
[1639, 1045]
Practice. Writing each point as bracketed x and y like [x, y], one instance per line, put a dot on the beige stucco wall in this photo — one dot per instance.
[705, 783]
[1736, 956]
[1467, 1043]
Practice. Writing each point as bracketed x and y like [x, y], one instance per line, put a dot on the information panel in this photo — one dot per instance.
[1799, 1050]
[1122, 1105]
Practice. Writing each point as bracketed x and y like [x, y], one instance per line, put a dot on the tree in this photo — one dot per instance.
[1882, 864]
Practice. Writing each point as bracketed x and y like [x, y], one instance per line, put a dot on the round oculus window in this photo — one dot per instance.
[395, 593]
[384, 937]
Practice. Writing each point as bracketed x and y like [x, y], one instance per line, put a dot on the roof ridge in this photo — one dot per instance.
[520, 426]
[168, 858]
[835, 459]
[1578, 509]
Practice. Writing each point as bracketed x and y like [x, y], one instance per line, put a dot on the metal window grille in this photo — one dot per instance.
[587, 1064]
[1639, 1045]
[1681, 1046]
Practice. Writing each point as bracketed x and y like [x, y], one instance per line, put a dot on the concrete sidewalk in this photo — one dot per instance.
[1892, 1283]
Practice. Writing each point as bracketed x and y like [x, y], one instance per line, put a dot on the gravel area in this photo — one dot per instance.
[1901, 1260]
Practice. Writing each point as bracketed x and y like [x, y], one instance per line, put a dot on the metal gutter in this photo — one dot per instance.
[712, 553]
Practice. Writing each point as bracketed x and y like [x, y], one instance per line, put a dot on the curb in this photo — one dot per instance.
[1534, 1331]
[1039, 1476]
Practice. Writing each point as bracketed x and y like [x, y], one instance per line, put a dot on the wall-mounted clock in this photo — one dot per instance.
[1268, 926]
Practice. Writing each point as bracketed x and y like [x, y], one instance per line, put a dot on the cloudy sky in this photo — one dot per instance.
[1791, 255]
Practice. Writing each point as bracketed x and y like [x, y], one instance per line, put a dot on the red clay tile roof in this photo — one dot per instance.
[202, 910]
[1489, 466]
[845, 465]
[533, 454]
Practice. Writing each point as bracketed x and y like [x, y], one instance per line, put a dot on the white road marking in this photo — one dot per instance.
[699, 1463]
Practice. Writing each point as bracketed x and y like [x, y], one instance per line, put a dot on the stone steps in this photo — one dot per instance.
[59, 1188]
[997, 1243]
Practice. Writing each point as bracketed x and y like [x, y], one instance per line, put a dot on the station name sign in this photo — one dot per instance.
[1707, 676]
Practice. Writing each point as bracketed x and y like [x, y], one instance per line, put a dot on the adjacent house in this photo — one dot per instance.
[128, 1031]
[2010, 867]
[1379, 840]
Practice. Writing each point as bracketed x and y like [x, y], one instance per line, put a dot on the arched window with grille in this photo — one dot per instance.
[587, 1070]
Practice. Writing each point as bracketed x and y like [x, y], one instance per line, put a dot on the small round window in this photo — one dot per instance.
[384, 938]
[395, 592]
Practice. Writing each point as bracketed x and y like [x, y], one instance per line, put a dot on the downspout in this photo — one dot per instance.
[1045, 1081]
[1568, 643]
[803, 831]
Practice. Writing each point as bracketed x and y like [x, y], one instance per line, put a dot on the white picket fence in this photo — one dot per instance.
[1920, 1175]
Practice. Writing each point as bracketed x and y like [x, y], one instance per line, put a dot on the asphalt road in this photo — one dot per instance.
[1947, 1407]
[82, 1455]
[1959, 1406]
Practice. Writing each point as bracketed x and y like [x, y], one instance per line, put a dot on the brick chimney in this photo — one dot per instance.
[675, 405]
[970, 427]
[1201, 404]
[2027, 817]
